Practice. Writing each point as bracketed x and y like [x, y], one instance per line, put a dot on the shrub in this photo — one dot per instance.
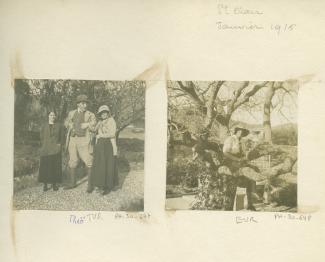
[131, 145]
[216, 191]
[25, 181]
[25, 166]
[175, 172]
[285, 135]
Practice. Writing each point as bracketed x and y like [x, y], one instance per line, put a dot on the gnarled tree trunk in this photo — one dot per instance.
[269, 92]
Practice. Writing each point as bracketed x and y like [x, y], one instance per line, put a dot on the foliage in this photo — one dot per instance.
[184, 172]
[23, 182]
[35, 98]
[26, 161]
[216, 190]
[24, 166]
[285, 135]
[176, 171]
[131, 144]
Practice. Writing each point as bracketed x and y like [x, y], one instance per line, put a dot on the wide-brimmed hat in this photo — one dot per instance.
[82, 98]
[103, 108]
[244, 131]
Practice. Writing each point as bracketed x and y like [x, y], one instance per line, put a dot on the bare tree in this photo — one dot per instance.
[209, 111]
[271, 90]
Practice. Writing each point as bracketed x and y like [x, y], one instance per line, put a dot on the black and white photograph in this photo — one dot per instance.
[79, 145]
[232, 145]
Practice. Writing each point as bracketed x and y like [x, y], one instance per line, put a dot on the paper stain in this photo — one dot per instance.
[16, 68]
[305, 78]
[13, 228]
[157, 72]
[300, 81]
[167, 74]
[307, 209]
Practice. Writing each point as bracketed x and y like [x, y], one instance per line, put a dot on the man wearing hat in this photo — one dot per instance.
[81, 124]
[235, 159]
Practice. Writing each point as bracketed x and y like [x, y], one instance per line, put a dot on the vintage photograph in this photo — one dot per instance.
[79, 145]
[232, 145]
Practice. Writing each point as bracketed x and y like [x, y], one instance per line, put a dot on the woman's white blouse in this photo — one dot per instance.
[232, 145]
[107, 127]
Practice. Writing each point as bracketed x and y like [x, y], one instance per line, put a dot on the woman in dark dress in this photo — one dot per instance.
[50, 170]
[104, 167]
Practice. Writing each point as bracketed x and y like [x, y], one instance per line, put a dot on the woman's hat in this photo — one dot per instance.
[103, 108]
[244, 131]
[81, 98]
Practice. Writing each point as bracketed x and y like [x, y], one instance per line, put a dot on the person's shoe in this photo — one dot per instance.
[55, 187]
[115, 188]
[45, 188]
[90, 190]
[90, 187]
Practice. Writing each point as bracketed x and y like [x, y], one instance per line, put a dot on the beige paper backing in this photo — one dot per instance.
[155, 41]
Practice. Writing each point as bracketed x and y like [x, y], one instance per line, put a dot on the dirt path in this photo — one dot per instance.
[128, 197]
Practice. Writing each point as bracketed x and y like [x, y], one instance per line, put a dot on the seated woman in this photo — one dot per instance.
[104, 167]
[234, 160]
[50, 170]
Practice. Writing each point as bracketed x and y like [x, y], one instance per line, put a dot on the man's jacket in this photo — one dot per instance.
[89, 118]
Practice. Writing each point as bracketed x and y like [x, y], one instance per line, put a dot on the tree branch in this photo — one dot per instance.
[237, 94]
[191, 92]
[210, 104]
[250, 93]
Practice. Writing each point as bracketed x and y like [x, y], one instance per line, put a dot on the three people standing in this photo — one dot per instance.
[83, 134]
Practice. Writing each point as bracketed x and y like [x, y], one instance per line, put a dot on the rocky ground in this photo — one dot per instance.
[127, 197]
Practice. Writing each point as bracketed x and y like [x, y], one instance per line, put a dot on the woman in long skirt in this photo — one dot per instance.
[104, 173]
[50, 170]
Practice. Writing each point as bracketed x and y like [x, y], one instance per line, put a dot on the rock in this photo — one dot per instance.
[289, 178]
[251, 174]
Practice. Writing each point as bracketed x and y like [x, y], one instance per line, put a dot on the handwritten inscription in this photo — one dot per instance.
[282, 28]
[139, 216]
[226, 10]
[249, 26]
[240, 220]
[297, 217]
[79, 220]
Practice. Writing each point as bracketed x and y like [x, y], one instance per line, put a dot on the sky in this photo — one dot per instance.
[285, 105]
[284, 112]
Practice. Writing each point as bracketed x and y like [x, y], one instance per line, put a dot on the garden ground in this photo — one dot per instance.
[29, 195]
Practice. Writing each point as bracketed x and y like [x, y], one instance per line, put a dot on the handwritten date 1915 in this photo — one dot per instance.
[282, 28]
